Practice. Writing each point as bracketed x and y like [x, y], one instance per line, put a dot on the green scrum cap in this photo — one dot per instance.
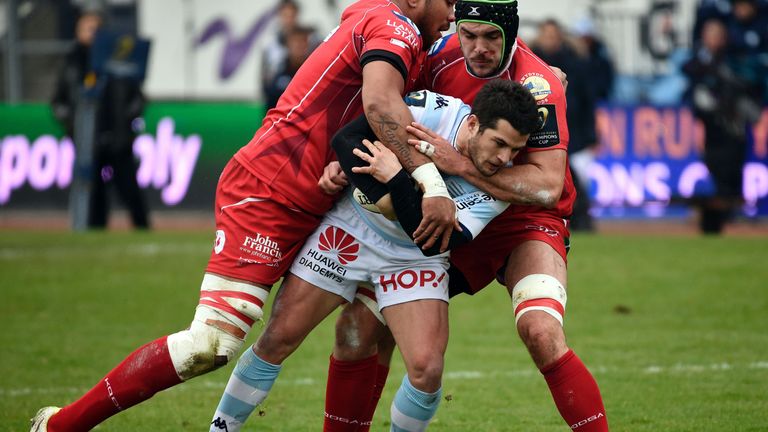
[501, 14]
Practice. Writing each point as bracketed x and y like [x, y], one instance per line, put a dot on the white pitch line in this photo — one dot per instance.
[677, 368]
[147, 249]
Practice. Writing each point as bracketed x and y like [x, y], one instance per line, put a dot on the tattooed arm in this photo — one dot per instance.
[388, 115]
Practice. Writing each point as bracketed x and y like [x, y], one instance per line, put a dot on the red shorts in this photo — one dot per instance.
[258, 231]
[480, 260]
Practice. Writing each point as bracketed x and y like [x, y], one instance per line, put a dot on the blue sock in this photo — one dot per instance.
[248, 386]
[412, 409]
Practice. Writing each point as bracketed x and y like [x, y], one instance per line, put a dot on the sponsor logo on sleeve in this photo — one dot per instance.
[437, 46]
[403, 34]
[465, 202]
[398, 43]
[549, 134]
[537, 85]
[440, 102]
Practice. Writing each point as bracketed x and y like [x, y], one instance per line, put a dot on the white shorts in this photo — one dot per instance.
[345, 252]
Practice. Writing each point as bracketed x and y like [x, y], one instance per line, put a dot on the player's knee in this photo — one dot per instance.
[537, 329]
[425, 371]
[201, 349]
[278, 341]
[355, 338]
[386, 347]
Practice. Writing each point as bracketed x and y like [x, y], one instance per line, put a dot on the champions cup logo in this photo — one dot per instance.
[543, 116]
[336, 239]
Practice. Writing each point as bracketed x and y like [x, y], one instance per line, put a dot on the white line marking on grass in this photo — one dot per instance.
[147, 249]
[450, 375]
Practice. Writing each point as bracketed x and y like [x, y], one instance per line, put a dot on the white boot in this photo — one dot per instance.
[40, 421]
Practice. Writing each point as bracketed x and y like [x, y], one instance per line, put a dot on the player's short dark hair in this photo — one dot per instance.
[508, 100]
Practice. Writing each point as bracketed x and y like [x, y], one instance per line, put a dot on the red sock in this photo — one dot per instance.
[576, 394]
[143, 373]
[348, 394]
[381, 380]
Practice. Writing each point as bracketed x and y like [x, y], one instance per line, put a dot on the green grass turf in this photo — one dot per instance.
[673, 328]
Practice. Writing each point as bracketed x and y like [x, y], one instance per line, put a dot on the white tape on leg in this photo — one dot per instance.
[223, 318]
[539, 292]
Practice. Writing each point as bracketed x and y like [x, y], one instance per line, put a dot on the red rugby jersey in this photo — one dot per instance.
[445, 72]
[292, 146]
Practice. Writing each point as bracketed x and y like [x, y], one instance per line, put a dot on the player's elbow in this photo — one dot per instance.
[525, 194]
[377, 104]
[549, 197]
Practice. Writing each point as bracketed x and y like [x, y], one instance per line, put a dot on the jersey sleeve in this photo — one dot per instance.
[550, 97]
[391, 37]
[475, 208]
[438, 112]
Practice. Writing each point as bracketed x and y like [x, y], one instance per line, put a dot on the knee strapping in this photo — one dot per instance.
[201, 348]
[539, 292]
[238, 303]
[226, 312]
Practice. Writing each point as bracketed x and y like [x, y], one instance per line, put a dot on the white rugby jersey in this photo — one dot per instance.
[444, 115]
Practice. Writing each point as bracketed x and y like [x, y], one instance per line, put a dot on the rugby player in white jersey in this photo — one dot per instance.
[355, 246]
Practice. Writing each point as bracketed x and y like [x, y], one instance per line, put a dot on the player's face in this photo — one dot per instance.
[482, 46]
[491, 149]
[438, 16]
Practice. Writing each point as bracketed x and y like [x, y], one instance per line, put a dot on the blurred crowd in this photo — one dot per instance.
[723, 77]
[290, 45]
[728, 88]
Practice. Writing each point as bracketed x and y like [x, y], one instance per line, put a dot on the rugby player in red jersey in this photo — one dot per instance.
[525, 247]
[268, 200]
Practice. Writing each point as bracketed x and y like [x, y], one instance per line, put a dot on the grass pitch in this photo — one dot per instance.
[673, 328]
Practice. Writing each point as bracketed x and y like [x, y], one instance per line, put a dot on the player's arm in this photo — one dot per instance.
[537, 181]
[380, 164]
[387, 114]
[344, 142]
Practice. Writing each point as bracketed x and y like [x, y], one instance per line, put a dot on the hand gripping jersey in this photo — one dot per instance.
[446, 73]
[291, 148]
[444, 115]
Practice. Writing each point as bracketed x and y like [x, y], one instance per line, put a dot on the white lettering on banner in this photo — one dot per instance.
[166, 162]
[755, 185]
[618, 185]
[692, 174]
[46, 162]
